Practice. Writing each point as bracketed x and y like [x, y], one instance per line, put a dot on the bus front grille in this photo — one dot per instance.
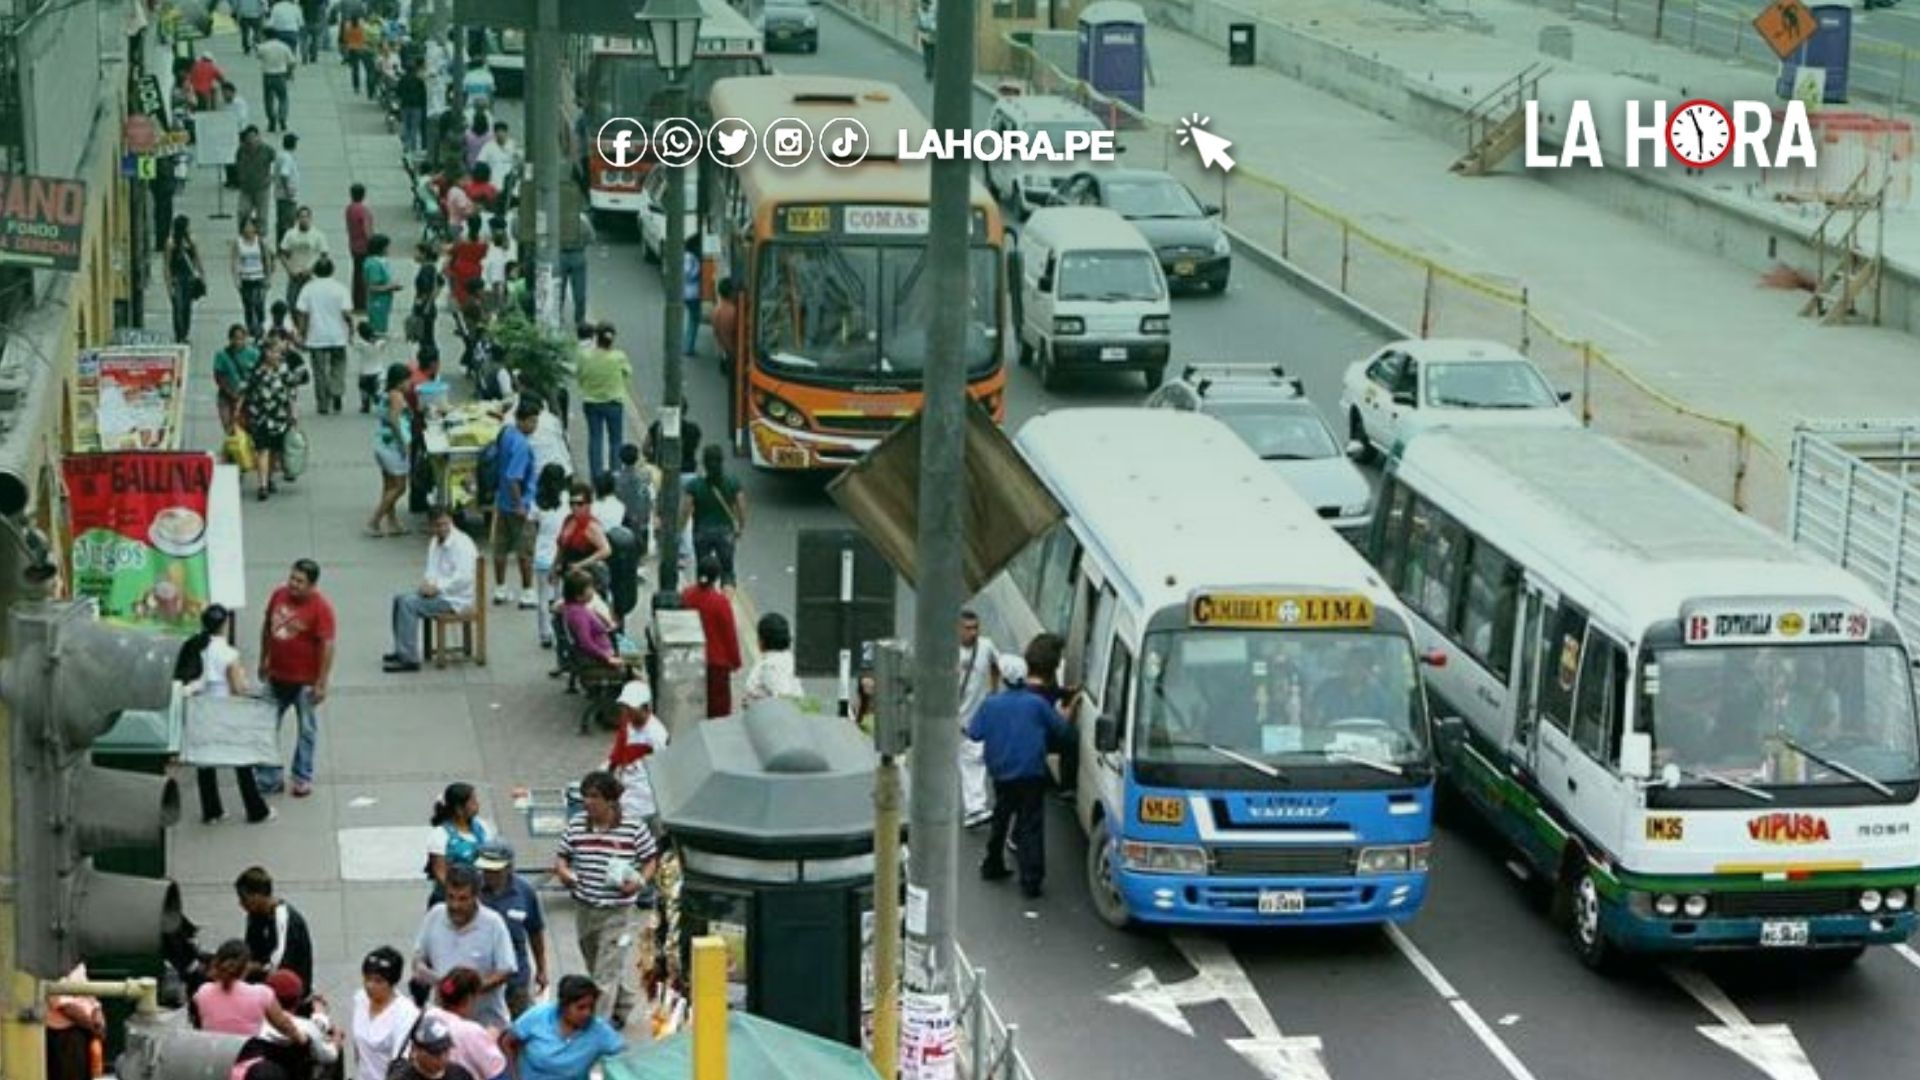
[1282, 859]
[858, 423]
[1738, 905]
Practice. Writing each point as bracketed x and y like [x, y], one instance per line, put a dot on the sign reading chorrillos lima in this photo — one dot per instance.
[42, 219]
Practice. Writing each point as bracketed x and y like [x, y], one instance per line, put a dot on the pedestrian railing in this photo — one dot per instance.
[987, 1047]
[1420, 294]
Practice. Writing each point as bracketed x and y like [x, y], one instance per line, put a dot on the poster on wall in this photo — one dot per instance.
[138, 524]
[129, 398]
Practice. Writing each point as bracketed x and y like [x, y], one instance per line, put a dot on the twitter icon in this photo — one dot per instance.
[731, 142]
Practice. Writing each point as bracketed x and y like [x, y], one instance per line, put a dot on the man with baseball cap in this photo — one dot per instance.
[432, 1042]
[511, 897]
[641, 735]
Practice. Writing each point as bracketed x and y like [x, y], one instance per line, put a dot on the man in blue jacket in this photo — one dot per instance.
[1013, 727]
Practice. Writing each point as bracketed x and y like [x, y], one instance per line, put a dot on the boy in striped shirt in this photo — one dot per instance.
[606, 860]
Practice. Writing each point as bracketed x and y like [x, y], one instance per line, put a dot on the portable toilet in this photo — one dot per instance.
[1830, 49]
[1113, 50]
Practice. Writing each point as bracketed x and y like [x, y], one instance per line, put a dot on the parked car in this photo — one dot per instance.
[790, 26]
[653, 214]
[1270, 411]
[1185, 233]
[1411, 385]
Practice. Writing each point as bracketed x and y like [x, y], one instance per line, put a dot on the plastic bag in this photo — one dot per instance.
[293, 455]
[238, 448]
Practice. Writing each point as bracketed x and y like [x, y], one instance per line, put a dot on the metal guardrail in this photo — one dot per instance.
[987, 1040]
[1855, 501]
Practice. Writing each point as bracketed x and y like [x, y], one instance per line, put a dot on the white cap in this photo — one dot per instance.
[635, 695]
[1013, 670]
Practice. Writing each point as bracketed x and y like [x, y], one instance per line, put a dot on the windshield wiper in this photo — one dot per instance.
[1355, 759]
[1734, 785]
[1235, 756]
[1840, 767]
[1291, 457]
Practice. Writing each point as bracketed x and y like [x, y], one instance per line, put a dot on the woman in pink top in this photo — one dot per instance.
[229, 1006]
[475, 1047]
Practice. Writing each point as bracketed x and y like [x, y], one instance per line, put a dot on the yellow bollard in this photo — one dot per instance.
[709, 1008]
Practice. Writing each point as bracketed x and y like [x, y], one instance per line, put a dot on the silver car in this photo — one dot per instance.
[1269, 409]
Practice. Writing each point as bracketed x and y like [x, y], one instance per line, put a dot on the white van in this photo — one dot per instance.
[1028, 185]
[1091, 296]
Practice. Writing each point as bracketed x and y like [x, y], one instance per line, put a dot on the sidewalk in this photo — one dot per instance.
[1369, 208]
[351, 856]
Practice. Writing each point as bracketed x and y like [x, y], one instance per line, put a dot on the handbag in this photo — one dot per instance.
[198, 290]
[293, 453]
[238, 448]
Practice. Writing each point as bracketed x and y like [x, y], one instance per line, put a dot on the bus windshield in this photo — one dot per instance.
[845, 308]
[1280, 697]
[1781, 714]
[631, 85]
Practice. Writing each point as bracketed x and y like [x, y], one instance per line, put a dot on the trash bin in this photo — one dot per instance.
[1240, 51]
[771, 814]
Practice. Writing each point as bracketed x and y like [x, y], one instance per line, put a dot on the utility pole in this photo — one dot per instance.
[892, 725]
[939, 588]
[673, 376]
[543, 127]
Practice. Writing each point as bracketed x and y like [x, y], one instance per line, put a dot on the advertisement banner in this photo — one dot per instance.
[42, 219]
[139, 529]
[129, 398]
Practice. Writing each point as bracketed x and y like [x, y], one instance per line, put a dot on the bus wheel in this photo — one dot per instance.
[1357, 432]
[1584, 928]
[1107, 901]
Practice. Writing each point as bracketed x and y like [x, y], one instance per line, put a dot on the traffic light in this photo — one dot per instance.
[66, 680]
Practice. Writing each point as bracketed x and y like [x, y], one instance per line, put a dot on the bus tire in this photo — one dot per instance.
[1581, 903]
[1357, 432]
[1107, 901]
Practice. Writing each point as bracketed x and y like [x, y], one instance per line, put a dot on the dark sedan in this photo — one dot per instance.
[790, 25]
[1185, 233]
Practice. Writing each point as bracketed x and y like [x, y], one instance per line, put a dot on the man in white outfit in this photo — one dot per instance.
[979, 672]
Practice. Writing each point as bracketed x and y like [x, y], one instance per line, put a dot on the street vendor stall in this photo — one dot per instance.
[455, 435]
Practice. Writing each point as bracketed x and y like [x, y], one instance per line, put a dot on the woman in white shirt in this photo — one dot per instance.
[382, 1017]
[607, 508]
[209, 667]
[549, 513]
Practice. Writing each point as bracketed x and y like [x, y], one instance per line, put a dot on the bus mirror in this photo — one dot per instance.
[1045, 284]
[1636, 755]
[1357, 450]
[1434, 658]
[1564, 396]
[1106, 734]
[1670, 776]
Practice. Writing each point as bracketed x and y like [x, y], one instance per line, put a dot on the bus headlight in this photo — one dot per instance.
[1163, 858]
[1870, 900]
[1069, 324]
[1666, 904]
[1896, 899]
[780, 412]
[1156, 324]
[1696, 906]
[1391, 860]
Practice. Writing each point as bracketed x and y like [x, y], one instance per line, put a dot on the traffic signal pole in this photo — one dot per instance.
[22, 1040]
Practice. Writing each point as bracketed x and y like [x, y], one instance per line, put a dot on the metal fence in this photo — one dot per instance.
[1886, 71]
[1425, 297]
[987, 1041]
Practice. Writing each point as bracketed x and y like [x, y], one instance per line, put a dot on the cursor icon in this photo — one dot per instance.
[1212, 148]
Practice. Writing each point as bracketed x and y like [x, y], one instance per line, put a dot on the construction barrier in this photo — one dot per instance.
[1422, 296]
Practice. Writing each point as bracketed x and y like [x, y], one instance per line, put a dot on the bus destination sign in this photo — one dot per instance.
[1781, 626]
[863, 220]
[1261, 611]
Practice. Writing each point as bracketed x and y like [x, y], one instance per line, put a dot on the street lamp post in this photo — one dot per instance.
[673, 26]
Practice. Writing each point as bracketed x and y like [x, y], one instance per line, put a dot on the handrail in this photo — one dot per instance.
[1482, 108]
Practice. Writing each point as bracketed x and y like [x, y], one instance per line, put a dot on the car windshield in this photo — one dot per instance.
[777, 9]
[1292, 432]
[1782, 714]
[1160, 197]
[1279, 697]
[1499, 384]
[1109, 275]
[1056, 131]
[634, 86]
[864, 309]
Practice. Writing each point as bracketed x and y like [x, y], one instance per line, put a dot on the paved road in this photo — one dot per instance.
[1478, 987]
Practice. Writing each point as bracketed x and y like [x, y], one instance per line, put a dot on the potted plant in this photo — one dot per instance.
[541, 361]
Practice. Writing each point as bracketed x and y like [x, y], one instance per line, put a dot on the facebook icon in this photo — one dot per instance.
[621, 142]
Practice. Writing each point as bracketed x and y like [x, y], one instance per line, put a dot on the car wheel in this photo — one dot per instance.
[1155, 376]
[1049, 375]
[1107, 901]
[1357, 432]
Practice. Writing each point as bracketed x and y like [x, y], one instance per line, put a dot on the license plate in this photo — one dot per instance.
[789, 457]
[1283, 902]
[782, 35]
[1783, 935]
[1114, 352]
[1184, 268]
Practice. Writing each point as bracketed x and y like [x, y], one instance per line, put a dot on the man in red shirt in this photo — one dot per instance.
[296, 659]
[723, 636]
[359, 231]
[205, 76]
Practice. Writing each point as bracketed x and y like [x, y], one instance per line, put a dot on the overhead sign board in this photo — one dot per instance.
[599, 17]
[42, 221]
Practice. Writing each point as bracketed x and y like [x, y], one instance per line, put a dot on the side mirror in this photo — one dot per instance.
[1434, 658]
[1357, 450]
[1209, 209]
[1564, 396]
[1636, 755]
[1670, 776]
[1403, 397]
[1045, 284]
[1106, 734]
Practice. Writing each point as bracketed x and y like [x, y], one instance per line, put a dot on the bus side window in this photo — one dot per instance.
[1078, 667]
[1560, 665]
[1488, 606]
[1054, 603]
[1113, 698]
[1435, 553]
[1602, 697]
[1025, 568]
[1391, 551]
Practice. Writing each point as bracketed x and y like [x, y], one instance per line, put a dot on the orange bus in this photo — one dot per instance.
[617, 76]
[829, 270]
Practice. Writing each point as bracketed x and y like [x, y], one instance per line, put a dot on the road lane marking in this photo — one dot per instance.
[1906, 953]
[1462, 1008]
[1771, 1048]
[1218, 976]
